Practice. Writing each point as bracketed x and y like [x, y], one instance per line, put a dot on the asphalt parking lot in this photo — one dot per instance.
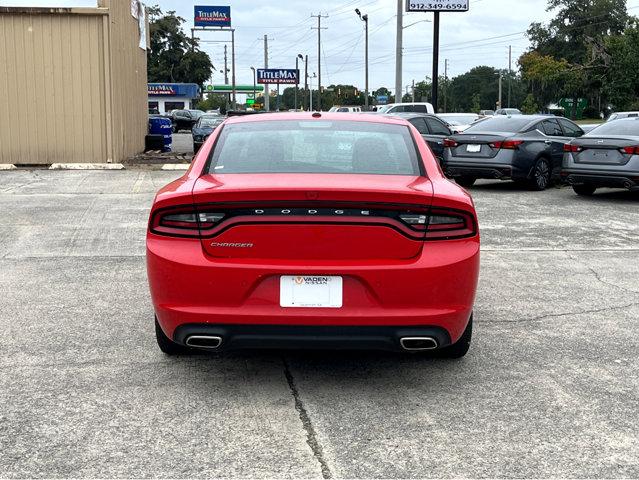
[549, 388]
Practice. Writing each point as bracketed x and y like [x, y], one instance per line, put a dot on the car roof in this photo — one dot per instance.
[342, 117]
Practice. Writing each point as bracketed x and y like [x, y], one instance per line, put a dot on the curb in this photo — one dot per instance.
[8, 166]
[86, 166]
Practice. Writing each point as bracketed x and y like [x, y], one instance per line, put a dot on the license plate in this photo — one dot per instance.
[298, 291]
[473, 148]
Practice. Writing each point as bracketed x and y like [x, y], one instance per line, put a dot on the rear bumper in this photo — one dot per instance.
[483, 170]
[235, 337]
[601, 178]
[435, 289]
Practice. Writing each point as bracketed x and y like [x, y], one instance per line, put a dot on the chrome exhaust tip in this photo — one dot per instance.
[416, 344]
[208, 342]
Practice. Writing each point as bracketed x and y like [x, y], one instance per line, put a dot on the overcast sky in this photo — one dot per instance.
[467, 39]
[478, 37]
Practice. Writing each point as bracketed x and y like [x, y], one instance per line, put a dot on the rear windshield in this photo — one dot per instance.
[315, 146]
[500, 124]
[616, 127]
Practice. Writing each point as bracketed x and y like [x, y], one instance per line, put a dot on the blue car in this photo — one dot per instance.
[203, 128]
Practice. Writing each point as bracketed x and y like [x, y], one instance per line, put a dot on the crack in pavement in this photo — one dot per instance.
[311, 436]
[558, 315]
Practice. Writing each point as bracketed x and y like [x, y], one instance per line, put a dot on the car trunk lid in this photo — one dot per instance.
[604, 150]
[478, 146]
[312, 216]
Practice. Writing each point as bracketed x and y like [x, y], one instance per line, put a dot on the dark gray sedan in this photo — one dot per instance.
[607, 156]
[432, 129]
[525, 148]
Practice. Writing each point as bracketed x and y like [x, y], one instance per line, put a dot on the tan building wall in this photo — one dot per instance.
[73, 84]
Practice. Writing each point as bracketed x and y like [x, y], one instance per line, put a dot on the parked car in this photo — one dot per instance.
[508, 111]
[345, 109]
[619, 115]
[525, 148]
[458, 122]
[319, 230]
[184, 119]
[486, 113]
[203, 128]
[421, 107]
[432, 129]
[607, 156]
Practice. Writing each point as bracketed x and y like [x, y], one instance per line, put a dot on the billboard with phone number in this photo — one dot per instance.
[439, 6]
[207, 16]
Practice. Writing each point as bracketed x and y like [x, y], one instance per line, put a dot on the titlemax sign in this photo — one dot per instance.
[278, 75]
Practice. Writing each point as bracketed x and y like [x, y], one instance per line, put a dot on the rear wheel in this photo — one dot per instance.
[461, 346]
[167, 345]
[465, 181]
[584, 189]
[540, 179]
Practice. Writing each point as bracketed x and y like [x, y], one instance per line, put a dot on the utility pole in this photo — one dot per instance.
[510, 71]
[435, 60]
[413, 90]
[319, 29]
[499, 90]
[446, 80]
[267, 106]
[364, 18]
[398, 48]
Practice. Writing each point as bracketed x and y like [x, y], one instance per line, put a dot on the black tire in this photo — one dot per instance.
[168, 346]
[461, 347]
[584, 189]
[540, 175]
[465, 181]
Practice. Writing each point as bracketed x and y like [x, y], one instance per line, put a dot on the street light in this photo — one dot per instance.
[254, 86]
[364, 18]
[297, 76]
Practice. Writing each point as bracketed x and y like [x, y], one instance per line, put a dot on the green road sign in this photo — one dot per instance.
[250, 101]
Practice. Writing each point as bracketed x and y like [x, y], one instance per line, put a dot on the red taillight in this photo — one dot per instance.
[506, 144]
[183, 221]
[443, 224]
[572, 148]
[630, 150]
[450, 143]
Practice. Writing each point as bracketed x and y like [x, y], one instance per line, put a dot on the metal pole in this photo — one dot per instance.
[277, 100]
[319, 62]
[398, 48]
[297, 81]
[267, 96]
[510, 71]
[499, 89]
[233, 65]
[306, 81]
[226, 76]
[254, 85]
[435, 61]
[366, 59]
[446, 80]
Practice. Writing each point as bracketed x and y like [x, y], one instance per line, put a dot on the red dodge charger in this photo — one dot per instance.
[313, 231]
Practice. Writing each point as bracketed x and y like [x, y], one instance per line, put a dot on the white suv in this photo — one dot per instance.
[420, 107]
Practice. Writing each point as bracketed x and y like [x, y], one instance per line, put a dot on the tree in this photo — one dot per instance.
[213, 101]
[529, 105]
[577, 37]
[621, 86]
[479, 86]
[173, 56]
